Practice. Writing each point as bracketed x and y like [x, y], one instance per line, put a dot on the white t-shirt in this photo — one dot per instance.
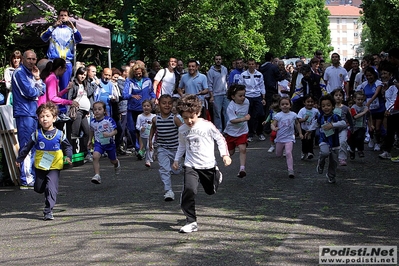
[234, 111]
[286, 125]
[298, 82]
[359, 79]
[311, 123]
[335, 77]
[144, 121]
[198, 143]
[168, 81]
[81, 98]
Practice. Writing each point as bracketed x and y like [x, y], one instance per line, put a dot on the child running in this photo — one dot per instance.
[103, 128]
[360, 114]
[307, 116]
[49, 143]
[143, 125]
[165, 125]
[274, 109]
[329, 124]
[196, 140]
[342, 111]
[284, 124]
[237, 124]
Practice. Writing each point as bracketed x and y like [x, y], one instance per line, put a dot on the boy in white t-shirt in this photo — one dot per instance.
[197, 138]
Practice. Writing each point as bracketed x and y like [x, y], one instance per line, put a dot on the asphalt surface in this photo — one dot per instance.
[263, 219]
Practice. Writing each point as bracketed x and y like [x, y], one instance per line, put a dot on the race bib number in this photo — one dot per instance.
[328, 132]
[374, 104]
[103, 140]
[338, 111]
[46, 161]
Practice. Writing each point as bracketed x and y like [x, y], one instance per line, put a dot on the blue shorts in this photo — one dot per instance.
[109, 148]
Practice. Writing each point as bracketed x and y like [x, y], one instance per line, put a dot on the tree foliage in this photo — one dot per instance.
[201, 29]
[382, 20]
[8, 30]
[158, 29]
[298, 28]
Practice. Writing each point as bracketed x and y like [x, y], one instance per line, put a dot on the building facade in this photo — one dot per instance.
[346, 29]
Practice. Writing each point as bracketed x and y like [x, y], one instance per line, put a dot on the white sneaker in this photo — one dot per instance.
[385, 155]
[88, 158]
[169, 196]
[371, 143]
[377, 147]
[96, 179]
[189, 228]
[304, 156]
[262, 137]
[250, 139]
[272, 148]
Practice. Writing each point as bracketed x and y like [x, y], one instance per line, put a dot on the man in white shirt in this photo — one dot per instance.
[336, 76]
[255, 92]
[167, 77]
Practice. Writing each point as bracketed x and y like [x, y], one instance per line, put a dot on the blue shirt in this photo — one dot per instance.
[333, 140]
[194, 85]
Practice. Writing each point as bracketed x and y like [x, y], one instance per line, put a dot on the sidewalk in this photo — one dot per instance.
[263, 219]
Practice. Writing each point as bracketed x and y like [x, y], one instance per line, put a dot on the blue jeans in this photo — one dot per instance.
[219, 110]
[26, 126]
[131, 126]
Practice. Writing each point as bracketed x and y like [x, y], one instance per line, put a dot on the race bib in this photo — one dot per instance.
[328, 132]
[103, 140]
[374, 104]
[359, 122]
[46, 161]
[338, 111]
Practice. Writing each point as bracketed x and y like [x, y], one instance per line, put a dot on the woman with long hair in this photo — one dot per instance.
[138, 87]
[372, 89]
[15, 61]
[81, 92]
[51, 74]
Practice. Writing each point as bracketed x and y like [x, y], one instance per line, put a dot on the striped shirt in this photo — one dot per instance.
[167, 132]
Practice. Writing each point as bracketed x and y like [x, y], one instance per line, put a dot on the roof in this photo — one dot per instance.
[346, 10]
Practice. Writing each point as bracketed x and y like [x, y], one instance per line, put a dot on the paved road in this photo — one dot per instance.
[264, 219]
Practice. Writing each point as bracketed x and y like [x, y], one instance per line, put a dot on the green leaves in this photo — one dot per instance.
[382, 19]
[158, 29]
